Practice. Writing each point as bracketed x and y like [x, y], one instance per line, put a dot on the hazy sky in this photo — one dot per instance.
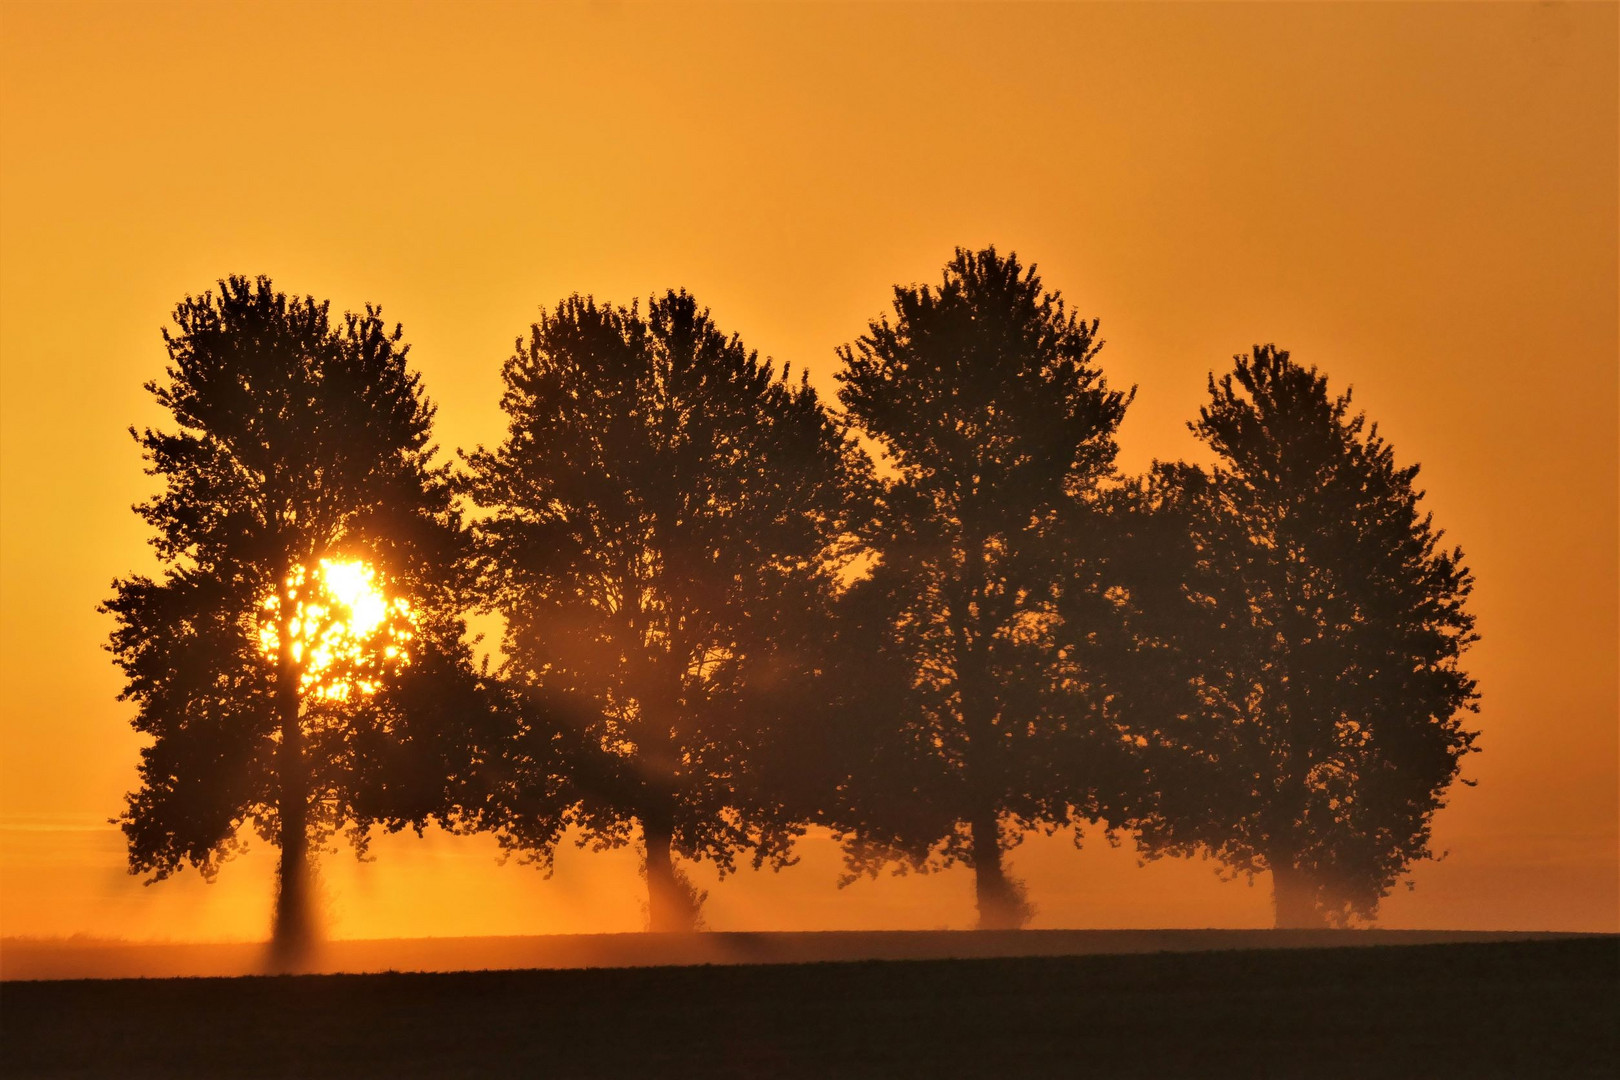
[1419, 199]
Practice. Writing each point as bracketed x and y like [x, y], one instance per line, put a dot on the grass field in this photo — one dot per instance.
[1508, 1009]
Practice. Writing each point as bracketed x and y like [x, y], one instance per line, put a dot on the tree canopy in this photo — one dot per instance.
[724, 622]
[1299, 698]
[662, 522]
[996, 428]
[293, 659]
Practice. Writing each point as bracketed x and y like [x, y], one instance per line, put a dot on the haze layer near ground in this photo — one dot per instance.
[1477, 1010]
[91, 959]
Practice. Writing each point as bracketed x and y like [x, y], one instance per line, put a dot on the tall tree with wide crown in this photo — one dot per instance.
[661, 523]
[997, 430]
[298, 662]
[1298, 697]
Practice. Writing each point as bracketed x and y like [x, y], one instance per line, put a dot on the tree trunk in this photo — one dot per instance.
[669, 902]
[999, 898]
[1000, 905]
[294, 925]
[671, 907]
[1293, 896]
[294, 929]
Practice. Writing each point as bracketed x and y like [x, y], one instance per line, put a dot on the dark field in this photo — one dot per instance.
[1515, 1009]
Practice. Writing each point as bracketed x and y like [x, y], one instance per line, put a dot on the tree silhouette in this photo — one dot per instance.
[298, 663]
[984, 397]
[663, 516]
[1298, 696]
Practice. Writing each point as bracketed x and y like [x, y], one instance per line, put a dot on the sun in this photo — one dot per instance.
[347, 634]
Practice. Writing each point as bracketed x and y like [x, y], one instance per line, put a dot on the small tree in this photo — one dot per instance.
[294, 663]
[1299, 699]
[664, 514]
[984, 395]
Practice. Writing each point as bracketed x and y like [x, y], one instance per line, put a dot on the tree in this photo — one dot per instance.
[1299, 699]
[298, 663]
[663, 516]
[998, 427]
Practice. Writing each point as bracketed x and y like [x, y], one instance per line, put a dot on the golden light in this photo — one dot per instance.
[346, 634]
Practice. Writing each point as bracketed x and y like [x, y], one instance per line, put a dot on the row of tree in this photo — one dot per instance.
[932, 621]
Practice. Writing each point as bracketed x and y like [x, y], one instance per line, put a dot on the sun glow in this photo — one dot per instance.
[346, 635]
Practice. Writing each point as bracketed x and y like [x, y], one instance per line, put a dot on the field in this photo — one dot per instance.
[1475, 1009]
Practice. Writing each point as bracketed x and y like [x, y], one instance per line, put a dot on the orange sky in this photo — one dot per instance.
[1420, 199]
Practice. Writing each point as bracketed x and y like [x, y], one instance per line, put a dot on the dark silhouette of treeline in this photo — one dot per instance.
[931, 621]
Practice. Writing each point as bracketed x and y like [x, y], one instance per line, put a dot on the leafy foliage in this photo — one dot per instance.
[997, 426]
[1298, 694]
[664, 522]
[296, 439]
[720, 626]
